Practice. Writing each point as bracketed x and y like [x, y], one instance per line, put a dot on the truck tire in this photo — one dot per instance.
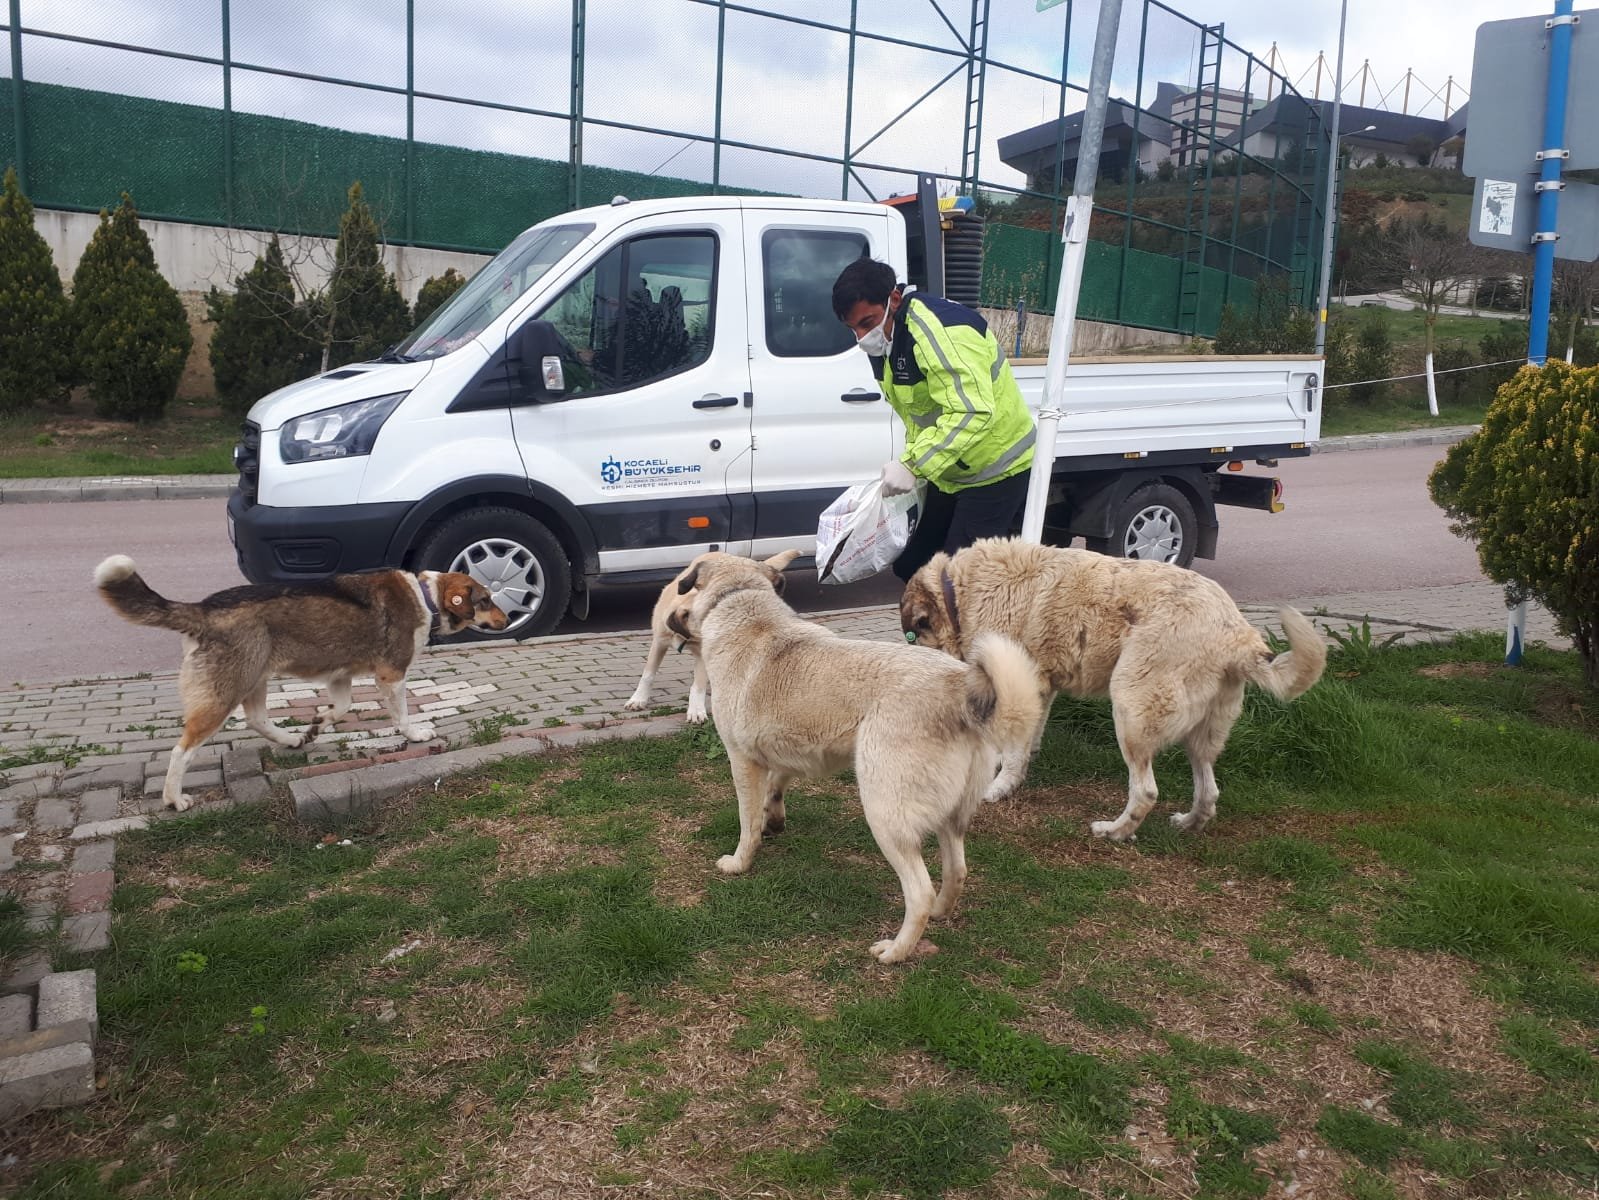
[1155, 522]
[517, 558]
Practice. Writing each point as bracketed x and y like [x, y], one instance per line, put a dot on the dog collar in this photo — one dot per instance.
[949, 603]
[427, 602]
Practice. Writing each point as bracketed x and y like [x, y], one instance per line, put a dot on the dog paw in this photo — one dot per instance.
[635, 702]
[998, 790]
[1182, 822]
[180, 804]
[885, 951]
[1114, 830]
[729, 864]
[418, 733]
[696, 714]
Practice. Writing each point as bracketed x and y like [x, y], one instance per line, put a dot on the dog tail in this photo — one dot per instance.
[1005, 695]
[124, 590]
[1292, 672]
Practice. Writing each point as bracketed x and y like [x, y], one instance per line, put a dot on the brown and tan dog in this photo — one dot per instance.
[1168, 646]
[235, 640]
[796, 701]
[664, 638]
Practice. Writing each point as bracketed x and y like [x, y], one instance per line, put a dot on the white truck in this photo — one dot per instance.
[626, 386]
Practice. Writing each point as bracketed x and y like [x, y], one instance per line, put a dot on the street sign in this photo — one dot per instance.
[1504, 214]
[1509, 80]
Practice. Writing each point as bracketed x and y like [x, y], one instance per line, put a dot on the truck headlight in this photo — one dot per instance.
[342, 432]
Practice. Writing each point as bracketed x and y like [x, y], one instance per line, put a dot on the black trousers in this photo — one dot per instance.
[950, 520]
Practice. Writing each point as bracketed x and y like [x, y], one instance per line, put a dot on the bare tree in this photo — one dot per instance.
[1436, 261]
[1576, 288]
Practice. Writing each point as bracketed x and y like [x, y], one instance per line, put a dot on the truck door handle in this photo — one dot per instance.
[860, 397]
[716, 402]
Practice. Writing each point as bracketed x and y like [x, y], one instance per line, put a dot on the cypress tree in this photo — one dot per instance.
[362, 311]
[260, 343]
[435, 292]
[35, 358]
[133, 333]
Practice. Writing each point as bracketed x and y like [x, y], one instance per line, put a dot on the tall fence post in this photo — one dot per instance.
[574, 149]
[228, 214]
[721, 63]
[1079, 211]
[849, 99]
[410, 119]
[18, 121]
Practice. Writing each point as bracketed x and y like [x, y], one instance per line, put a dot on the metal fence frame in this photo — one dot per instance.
[1301, 189]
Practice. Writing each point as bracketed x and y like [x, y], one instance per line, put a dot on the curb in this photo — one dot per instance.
[218, 487]
[331, 797]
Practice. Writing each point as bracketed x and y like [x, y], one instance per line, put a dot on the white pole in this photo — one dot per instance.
[1074, 233]
[1432, 388]
[1329, 222]
[1515, 634]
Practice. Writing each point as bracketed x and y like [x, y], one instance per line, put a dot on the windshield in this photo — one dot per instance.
[492, 290]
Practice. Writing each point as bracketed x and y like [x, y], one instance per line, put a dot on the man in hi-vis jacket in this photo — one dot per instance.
[968, 433]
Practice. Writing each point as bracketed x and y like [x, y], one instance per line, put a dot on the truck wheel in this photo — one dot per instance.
[1155, 522]
[515, 557]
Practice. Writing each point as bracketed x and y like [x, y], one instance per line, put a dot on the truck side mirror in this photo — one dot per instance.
[546, 366]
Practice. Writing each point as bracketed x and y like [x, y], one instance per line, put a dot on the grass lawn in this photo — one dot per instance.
[1373, 976]
[194, 438]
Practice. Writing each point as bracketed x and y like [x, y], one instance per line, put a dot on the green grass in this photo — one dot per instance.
[583, 966]
[45, 442]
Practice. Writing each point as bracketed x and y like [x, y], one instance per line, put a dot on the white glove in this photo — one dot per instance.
[897, 478]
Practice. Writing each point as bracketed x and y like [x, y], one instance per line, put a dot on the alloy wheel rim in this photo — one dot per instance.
[1154, 534]
[511, 573]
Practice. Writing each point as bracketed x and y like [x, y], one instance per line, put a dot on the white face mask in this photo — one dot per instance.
[875, 343]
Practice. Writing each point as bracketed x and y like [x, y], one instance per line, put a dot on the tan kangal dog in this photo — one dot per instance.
[234, 641]
[669, 600]
[1168, 646]
[794, 700]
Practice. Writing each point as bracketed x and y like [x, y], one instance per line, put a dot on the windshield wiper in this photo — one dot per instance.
[390, 356]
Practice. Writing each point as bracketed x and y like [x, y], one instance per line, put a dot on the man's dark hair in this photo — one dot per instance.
[864, 279]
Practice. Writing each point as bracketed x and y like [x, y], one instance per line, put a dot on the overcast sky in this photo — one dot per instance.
[653, 62]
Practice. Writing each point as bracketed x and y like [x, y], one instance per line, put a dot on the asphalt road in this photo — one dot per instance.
[1357, 521]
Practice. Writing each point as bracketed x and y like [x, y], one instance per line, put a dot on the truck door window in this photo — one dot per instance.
[644, 311]
[800, 266]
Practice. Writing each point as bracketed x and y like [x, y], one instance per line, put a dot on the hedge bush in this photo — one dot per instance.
[132, 333]
[261, 340]
[1525, 488]
[35, 330]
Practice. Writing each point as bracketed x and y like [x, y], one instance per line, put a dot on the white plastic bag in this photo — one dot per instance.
[863, 532]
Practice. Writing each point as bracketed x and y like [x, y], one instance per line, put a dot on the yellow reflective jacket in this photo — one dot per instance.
[966, 423]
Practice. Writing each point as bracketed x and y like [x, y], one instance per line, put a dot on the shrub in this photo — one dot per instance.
[34, 332]
[1505, 344]
[261, 341]
[1451, 360]
[1373, 357]
[362, 312]
[132, 332]
[1525, 488]
[435, 292]
[1271, 324]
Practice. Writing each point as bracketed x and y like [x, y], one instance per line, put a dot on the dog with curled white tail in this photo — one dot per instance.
[234, 641]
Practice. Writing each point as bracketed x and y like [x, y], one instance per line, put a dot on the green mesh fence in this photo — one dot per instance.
[1121, 286]
[290, 176]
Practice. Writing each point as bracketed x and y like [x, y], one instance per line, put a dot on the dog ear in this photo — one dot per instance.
[690, 581]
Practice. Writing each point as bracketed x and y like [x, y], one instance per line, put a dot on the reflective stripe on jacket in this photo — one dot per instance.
[966, 423]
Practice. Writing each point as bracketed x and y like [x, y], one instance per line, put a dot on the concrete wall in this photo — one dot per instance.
[1088, 337]
[195, 258]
